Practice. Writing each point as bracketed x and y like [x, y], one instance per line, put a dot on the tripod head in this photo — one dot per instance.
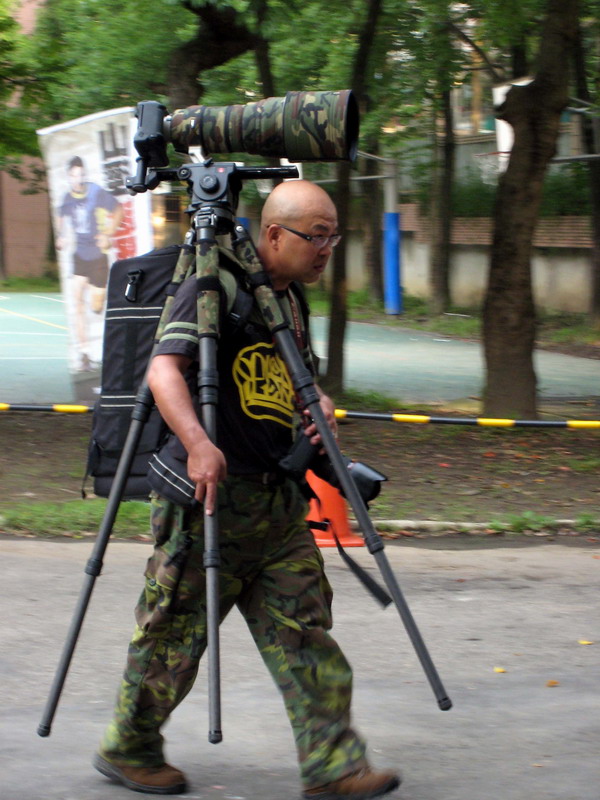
[213, 184]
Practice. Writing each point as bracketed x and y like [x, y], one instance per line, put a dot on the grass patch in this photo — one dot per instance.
[587, 523]
[75, 518]
[357, 400]
[590, 464]
[45, 283]
[553, 328]
[528, 521]
[568, 329]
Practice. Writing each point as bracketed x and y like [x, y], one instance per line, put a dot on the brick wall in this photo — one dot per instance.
[571, 232]
[25, 223]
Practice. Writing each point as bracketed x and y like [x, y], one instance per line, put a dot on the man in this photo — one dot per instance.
[95, 216]
[270, 566]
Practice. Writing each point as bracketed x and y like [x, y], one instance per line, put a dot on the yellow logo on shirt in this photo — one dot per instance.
[265, 388]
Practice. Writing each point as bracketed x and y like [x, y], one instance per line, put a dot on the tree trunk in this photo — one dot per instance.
[592, 145]
[218, 39]
[338, 314]
[372, 205]
[262, 52]
[441, 215]
[3, 274]
[509, 313]
[337, 324]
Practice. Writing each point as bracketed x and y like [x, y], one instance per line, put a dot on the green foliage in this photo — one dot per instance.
[528, 521]
[42, 284]
[568, 328]
[506, 24]
[371, 401]
[566, 192]
[92, 56]
[16, 76]
[472, 197]
[587, 523]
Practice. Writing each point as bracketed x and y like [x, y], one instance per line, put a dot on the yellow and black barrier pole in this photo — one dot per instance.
[342, 414]
[61, 408]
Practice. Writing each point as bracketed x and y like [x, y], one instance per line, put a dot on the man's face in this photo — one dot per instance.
[77, 179]
[298, 259]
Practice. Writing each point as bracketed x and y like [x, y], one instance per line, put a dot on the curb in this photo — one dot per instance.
[397, 528]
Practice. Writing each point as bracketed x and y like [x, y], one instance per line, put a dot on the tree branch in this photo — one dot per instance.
[489, 65]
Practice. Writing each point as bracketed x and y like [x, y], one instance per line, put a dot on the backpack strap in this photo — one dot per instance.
[298, 292]
[237, 300]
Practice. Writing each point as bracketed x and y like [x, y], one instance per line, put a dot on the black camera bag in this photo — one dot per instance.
[136, 293]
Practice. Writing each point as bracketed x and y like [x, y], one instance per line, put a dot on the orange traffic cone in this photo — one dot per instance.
[330, 508]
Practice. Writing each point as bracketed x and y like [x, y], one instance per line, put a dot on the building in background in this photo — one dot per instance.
[25, 230]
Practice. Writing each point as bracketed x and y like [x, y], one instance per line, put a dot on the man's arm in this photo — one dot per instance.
[59, 227]
[206, 463]
[114, 220]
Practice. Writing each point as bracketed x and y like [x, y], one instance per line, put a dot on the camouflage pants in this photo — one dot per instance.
[273, 571]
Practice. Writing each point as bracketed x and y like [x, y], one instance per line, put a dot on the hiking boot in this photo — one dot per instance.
[153, 780]
[358, 785]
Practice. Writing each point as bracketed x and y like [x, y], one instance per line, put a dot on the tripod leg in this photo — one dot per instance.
[309, 398]
[207, 270]
[143, 406]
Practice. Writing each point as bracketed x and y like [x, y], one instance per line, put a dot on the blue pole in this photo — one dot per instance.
[244, 221]
[391, 263]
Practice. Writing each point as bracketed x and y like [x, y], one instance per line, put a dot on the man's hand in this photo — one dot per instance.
[206, 467]
[206, 463]
[328, 408]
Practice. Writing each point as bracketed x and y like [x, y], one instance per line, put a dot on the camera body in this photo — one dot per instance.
[304, 456]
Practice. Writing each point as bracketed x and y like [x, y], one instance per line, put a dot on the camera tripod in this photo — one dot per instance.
[214, 190]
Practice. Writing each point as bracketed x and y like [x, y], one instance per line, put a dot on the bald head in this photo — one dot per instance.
[294, 213]
[291, 201]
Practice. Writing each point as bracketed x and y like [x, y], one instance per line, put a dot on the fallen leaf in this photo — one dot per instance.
[499, 669]
[443, 464]
[552, 683]
[584, 641]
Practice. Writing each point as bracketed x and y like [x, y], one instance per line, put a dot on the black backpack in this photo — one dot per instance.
[136, 293]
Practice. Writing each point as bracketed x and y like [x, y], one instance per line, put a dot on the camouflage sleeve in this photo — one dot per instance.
[180, 336]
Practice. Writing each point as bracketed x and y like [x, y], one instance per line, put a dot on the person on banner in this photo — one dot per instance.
[271, 568]
[94, 216]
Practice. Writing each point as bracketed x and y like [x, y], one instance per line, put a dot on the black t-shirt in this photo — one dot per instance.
[256, 406]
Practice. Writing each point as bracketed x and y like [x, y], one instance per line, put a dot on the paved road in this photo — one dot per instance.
[427, 368]
[408, 365]
[509, 735]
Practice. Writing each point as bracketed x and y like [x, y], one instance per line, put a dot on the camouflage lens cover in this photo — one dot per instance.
[302, 126]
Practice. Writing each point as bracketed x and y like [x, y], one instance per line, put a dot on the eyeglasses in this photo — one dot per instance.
[319, 241]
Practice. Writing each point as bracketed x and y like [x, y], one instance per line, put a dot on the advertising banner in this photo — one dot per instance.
[95, 222]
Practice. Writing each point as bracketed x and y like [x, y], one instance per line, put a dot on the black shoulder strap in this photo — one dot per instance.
[300, 295]
[237, 317]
